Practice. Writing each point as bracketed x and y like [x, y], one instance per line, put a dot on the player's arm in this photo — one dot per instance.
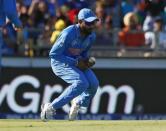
[86, 61]
[86, 53]
[11, 12]
[59, 47]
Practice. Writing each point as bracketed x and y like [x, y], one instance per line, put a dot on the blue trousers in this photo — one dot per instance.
[83, 84]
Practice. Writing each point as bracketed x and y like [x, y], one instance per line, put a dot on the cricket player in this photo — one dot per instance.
[8, 10]
[70, 61]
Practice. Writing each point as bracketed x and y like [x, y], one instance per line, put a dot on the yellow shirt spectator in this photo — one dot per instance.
[59, 26]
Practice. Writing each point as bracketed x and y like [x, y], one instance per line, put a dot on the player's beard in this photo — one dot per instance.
[87, 31]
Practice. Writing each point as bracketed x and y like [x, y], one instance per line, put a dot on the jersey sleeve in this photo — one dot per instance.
[59, 47]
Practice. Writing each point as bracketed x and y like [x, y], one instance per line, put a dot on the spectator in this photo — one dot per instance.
[157, 38]
[131, 35]
[148, 23]
[59, 26]
[160, 33]
[52, 7]
[43, 42]
[63, 13]
[101, 14]
[127, 6]
[23, 35]
[105, 37]
[72, 15]
[77, 4]
[154, 7]
[140, 10]
[113, 9]
[41, 15]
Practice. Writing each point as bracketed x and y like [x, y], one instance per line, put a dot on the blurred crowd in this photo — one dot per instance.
[122, 24]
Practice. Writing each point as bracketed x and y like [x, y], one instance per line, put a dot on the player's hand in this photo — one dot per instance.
[84, 64]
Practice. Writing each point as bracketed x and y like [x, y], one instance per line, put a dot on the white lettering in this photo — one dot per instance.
[3, 93]
[8, 91]
[113, 97]
[12, 87]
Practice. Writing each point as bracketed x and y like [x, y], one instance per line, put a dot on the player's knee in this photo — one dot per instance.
[94, 86]
[82, 85]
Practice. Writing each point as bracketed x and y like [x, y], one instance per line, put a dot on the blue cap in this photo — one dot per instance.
[87, 15]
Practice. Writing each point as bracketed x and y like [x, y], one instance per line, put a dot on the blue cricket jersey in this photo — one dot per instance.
[70, 45]
[8, 9]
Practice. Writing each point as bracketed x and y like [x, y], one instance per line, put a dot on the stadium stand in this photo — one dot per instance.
[39, 18]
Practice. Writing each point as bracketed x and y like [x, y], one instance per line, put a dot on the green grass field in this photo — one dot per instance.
[87, 125]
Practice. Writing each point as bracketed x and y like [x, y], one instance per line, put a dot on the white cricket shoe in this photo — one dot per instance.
[73, 110]
[47, 112]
